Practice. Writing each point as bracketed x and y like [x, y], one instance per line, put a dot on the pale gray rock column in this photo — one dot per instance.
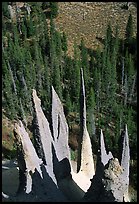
[31, 159]
[60, 128]
[44, 135]
[104, 156]
[125, 163]
[85, 157]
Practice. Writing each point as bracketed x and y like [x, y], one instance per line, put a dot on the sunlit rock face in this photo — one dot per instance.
[60, 128]
[125, 163]
[31, 160]
[43, 136]
[87, 161]
[35, 183]
[104, 156]
[111, 180]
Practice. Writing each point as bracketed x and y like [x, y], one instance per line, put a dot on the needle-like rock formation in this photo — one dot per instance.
[60, 128]
[125, 163]
[43, 137]
[111, 180]
[45, 170]
[87, 161]
[104, 156]
[31, 159]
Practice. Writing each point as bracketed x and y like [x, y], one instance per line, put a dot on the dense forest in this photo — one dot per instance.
[34, 56]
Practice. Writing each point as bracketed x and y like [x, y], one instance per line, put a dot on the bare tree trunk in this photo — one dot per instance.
[133, 88]
[125, 90]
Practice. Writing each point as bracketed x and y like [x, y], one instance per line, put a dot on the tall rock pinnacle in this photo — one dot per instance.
[86, 154]
[104, 156]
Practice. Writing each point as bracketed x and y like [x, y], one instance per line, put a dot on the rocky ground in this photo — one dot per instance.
[89, 20]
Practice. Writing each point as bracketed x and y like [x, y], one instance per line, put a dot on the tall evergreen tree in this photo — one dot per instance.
[5, 11]
[85, 63]
[54, 9]
[75, 81]
[91, 105]
[64, 43]
[129, 29]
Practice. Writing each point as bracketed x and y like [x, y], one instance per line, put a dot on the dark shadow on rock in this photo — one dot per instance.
[120, 145]
[101, 189]
[37, 141]
[61, 168]
[93, 193]
[47, 189]
[43, 189]
[66, 184]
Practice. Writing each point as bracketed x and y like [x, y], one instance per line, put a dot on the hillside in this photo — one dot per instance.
[37, 55]
[89, 20]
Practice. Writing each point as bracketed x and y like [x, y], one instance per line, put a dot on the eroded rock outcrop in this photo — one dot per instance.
[60, 128]
[111, 180]
[45, 170]
[30, 160]
[43, 137]
[104, 156]
[125, 163]
[87, 161]
[35, 184]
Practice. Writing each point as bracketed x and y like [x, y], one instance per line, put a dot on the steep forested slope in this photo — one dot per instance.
[34, 56]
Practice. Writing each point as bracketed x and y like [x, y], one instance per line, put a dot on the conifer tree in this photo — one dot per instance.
[5, 11]
[84, 63]
[129, 29]
[64, 43]
[91, 105]
[24, 29]
[54, 9]
[75, 81]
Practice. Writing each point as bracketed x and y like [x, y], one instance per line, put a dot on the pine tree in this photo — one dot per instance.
[57, 79]
[75, 80]
[64, 43]
[109, 37]
[24, 29]
[129, 29]
[31, 30]
[52, 45]
[130, 71]
[84, 63]
[5, 11]
[44, 37]
[10, 100]
[46, 84]
[91, 105]
[54, 9]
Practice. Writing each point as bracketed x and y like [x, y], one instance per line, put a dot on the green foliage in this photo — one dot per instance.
[54, 9]
[85, 63]
[51, 9]
[73, 155]
[5, 11]
[75, 73]
[64, 42]
[129, 29]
